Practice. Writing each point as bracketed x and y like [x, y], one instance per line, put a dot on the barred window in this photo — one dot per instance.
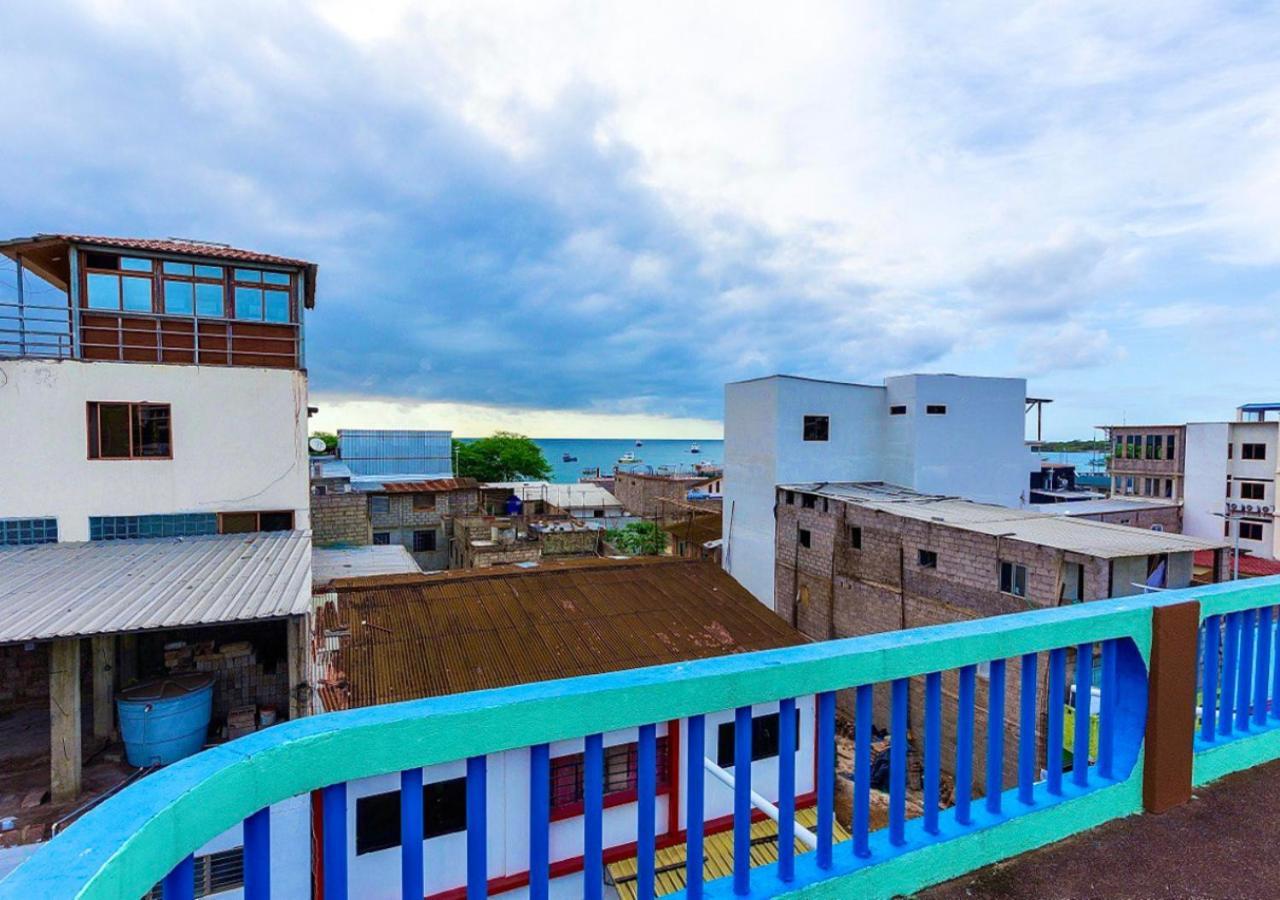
[212, 874]
[621, 771]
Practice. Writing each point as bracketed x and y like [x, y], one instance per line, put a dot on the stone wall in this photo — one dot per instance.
[24, 675]
[569, 543]
[340, 519]
[639, 494]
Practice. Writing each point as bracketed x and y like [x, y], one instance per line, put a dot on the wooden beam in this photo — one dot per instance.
[64, 719]
[1171, 707]
[104, 659]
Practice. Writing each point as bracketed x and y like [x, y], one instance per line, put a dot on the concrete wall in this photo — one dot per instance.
[239, 442]
[1205, 477]
[408, 513]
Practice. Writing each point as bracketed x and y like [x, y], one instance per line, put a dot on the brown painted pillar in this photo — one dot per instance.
[64, 719]
[104, 658]
[1171, 707]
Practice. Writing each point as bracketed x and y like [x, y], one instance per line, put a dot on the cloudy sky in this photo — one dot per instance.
[583, 219]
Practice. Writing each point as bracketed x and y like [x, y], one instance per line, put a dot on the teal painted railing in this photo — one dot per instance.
[148, 832]
[1238, 716]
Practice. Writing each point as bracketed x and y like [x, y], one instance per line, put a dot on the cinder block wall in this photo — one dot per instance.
[340, 519]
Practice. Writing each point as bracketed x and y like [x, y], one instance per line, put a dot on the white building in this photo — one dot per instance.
[1230, 480]
[941, 434]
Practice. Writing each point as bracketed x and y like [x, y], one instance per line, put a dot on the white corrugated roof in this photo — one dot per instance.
[328, 563]
[1106, 505]
[575, 495]
[102, 587]
[1100, 539]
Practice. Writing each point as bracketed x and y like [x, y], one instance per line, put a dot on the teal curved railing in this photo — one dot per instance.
[147, 833]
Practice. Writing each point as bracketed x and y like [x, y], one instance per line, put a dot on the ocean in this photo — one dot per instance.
[603, 453]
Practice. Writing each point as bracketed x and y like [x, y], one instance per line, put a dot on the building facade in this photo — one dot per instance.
[935, 433]
[1232, 472]
[1147, 460]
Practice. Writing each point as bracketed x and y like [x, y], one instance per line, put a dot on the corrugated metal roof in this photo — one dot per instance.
[566, 495]
[1100, 539]
[75, 589]
[405, 637]
[328, 563]
[1099, 507]
[429, 486]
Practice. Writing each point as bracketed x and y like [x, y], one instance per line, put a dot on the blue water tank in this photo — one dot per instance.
[165, 720]
[514, 505]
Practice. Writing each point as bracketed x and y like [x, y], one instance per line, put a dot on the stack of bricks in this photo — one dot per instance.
[24, 675]
[241, 680]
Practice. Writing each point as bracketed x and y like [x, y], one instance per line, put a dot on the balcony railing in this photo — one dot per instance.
[1146, 650]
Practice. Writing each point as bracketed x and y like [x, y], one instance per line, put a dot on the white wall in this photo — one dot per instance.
[976, 450]
[239, 442]
[1205, 470]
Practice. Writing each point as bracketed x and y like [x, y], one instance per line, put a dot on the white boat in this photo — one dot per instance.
[639, 443]
[628, 459]
[695, 449]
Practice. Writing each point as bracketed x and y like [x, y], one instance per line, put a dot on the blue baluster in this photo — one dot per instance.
[1107, 714]
[1027, 729]
[539, 822]
[862, 770]
[786, 790]
[411, 833]
[1260, 679]
[334, 808]
[1209, 677]
[826, 775]
[477, 828]
[646, 810]
[592, 817]
[1244, 670]
[1230, 646]
[995, 735]
[964, 744]
[898, 763]
[1053, 731]
[1084, 712]
[257, 855]
[932, 749]
[180, 883]
[695, 807]
[742, 800]
[1275, 673]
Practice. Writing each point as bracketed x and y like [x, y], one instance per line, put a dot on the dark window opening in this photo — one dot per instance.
[382, 538]
[424, 541]
[1250, 531]
[791, 498]
[129, 431]
[444, 811]
[928, 559]
[1253, 451]
[855, 537]
[936, 409]
[251, 521]
[1252, 490]
[897, 410]
[806, 501]
[764, 739]
[804, 537]
[1013, 579]
[816, 428]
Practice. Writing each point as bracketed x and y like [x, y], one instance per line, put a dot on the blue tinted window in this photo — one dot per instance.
[275, 277]
[137, 294]
[209, 300]
[178, 298]
[177, 268]
[122, 528]
[209, 272]
[134, 264]
[248, 303]
[277, 306]
[104, 291]
[28, 531]
[248, 275]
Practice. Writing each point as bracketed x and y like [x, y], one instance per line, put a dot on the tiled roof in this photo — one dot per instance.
[1250, 566]
[406, 637]
[187, 248]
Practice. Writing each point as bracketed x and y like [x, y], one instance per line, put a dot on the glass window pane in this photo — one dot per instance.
[151, 431]
[248, 303]
[137, 294]
[209, 300]
[113, 430]
[248, 275]
[178, 298]
[104, 291]
[177, 268]
[275, 277]
[209, 272]
[277, 306]
[135, 264]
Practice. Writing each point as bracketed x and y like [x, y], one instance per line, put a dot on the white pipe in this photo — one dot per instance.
[804, 835]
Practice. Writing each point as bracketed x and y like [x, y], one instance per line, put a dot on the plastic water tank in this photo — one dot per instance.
[165, 720]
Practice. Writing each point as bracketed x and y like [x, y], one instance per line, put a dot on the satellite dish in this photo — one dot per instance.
[317, 445]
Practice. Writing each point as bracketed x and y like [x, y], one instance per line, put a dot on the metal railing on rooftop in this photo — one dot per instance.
[149, 831]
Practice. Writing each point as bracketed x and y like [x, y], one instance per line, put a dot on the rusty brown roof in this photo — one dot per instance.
[696, 528]
[433, 486]
[406, 637]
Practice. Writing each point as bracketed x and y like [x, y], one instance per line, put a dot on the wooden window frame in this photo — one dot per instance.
[229, 296]
[257, 514]
[93, 430]
[192, 279]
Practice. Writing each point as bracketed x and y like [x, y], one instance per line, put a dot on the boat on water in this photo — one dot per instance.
[569, 457]
[695, 449]
[628, 459]
[639, 443]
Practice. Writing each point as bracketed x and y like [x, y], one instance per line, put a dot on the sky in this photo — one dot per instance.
[583, 219]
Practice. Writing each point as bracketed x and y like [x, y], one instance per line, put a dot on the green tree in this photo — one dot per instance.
[503, 456]
[330, 440]
[639, 539]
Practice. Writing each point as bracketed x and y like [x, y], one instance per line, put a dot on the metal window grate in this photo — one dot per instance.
[28, 531]
[215, 873]
[121, 528]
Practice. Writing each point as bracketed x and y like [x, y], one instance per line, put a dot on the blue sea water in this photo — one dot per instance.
[604, 453]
